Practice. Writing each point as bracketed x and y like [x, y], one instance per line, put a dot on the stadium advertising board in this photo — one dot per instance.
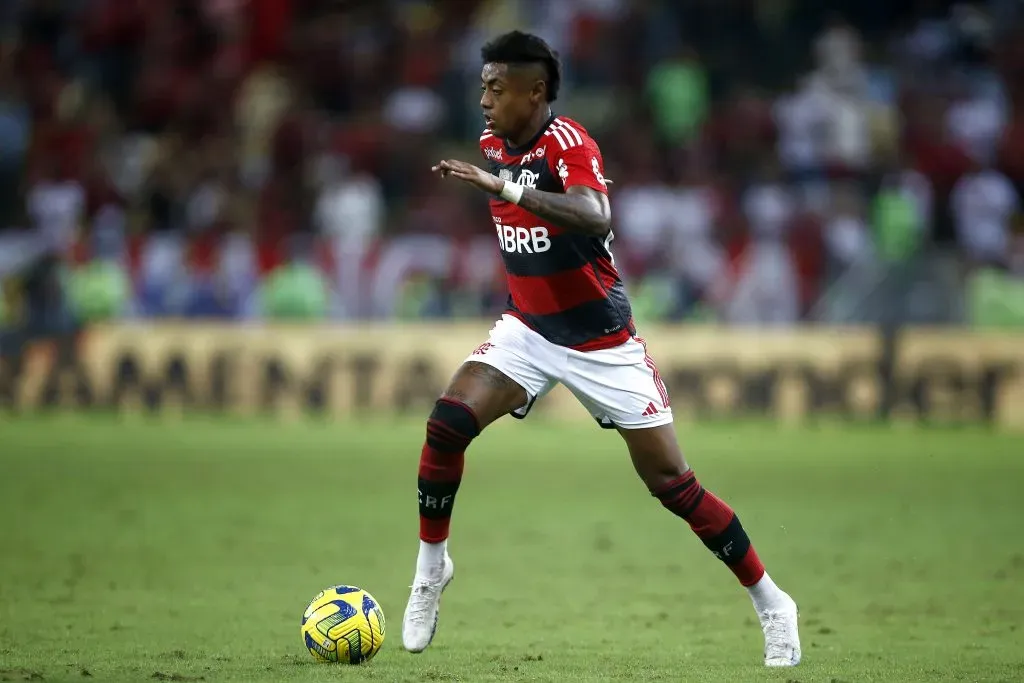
[787, 375]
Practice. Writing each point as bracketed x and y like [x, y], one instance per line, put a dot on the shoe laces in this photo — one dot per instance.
[422, 596]
[776, 630]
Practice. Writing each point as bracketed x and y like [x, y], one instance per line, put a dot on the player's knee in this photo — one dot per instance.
[681, 495]
[665, 476]
[659, 468]
[452, 425]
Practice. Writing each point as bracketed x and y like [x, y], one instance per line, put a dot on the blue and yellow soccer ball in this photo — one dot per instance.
[343, 624]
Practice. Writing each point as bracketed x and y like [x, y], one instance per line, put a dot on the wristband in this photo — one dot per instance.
[511, 192]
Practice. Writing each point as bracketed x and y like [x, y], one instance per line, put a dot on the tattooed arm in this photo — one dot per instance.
[581, 209]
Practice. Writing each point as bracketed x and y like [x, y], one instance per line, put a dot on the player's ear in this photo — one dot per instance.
[539, 92]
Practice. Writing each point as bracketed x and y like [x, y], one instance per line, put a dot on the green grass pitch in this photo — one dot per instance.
[138, 550]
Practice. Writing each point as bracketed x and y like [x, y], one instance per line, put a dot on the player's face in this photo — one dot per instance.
[509, 98]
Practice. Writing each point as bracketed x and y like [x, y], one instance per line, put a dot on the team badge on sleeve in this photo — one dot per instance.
[563, 170]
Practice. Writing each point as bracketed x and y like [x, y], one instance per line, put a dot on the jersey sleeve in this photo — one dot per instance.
[577, 161]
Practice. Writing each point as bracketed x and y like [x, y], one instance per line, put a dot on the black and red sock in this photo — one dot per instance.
[715, 524]
[451, 427]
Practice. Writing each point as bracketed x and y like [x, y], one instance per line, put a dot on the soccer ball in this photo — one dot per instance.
[343, 624]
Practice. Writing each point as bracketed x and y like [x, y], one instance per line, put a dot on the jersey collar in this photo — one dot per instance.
[527, 146]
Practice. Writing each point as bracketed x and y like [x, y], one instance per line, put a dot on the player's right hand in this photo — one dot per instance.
[469, 173]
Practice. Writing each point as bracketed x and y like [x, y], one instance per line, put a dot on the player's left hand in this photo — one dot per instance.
[469, 173]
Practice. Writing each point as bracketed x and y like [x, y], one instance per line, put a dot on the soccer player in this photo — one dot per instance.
[568, 320]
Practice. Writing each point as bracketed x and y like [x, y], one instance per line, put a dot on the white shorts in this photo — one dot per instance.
[620, 386]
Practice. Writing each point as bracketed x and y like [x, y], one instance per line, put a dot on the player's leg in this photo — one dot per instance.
[495, 380]
[659, 462]
[622, 388]
[478, 395]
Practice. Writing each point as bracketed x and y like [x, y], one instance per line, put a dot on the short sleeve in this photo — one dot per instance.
[579, 164]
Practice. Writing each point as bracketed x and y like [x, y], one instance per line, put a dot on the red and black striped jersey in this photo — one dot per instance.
[563, 285]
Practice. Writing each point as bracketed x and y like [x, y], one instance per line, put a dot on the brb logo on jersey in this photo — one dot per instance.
[493, 153]
[515, 240]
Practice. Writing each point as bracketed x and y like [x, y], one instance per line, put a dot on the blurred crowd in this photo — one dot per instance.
[774, 161]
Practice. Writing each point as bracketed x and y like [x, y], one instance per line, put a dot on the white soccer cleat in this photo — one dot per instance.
[781, 634]
[421, 612]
